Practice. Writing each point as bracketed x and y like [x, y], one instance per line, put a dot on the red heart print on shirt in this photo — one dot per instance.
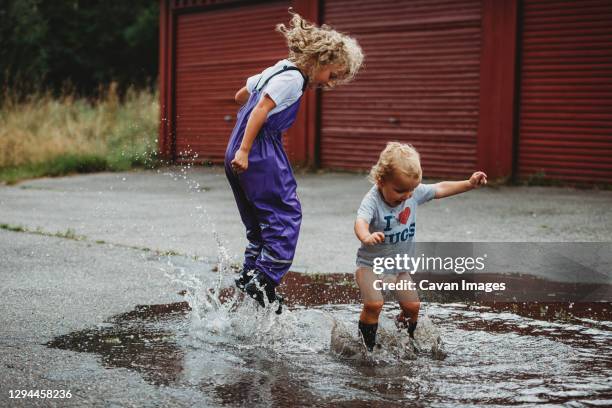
[404, 215]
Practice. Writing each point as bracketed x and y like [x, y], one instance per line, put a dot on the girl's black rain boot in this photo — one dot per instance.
[368, 333]
[244, 278]
[261, 285]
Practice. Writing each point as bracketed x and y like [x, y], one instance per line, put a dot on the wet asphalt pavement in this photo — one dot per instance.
[52, 286]
[123, 236]
[162, 210]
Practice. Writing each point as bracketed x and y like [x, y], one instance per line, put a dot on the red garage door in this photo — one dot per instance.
[420, 84]
[566, 91]
[216, 51]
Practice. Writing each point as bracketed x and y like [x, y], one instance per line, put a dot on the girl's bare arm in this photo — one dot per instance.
[256, 120]
[242, 96]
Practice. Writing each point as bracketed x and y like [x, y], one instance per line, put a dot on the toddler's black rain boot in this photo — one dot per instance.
[402, 323]
[411, 328]
[244, 278]
[261, 285]
[368, 333]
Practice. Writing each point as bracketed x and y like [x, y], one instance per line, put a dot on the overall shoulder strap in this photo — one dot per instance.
[285, 68]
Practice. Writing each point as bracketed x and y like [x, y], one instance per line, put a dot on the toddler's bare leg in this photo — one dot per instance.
[408, 300]
[372, 299]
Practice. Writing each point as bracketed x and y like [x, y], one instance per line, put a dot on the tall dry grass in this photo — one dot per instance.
[44, 135]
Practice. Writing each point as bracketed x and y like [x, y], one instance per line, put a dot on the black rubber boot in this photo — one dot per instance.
[368, 333]
[403, 323]
[244, 278]
[261, 285]
[411, 328]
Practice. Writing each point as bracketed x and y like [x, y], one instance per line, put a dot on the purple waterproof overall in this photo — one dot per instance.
[266, 192]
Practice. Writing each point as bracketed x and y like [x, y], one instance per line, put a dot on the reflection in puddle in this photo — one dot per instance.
[502, 353]
[136, 341]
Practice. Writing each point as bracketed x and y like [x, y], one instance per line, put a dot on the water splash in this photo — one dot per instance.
[222, 315]
[393, 346]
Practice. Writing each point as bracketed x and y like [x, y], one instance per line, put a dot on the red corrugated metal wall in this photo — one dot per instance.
[429, 74]
[420, 84]
[216, 50]
[566, 91]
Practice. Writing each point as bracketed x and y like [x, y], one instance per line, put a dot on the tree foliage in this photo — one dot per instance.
[79, 44]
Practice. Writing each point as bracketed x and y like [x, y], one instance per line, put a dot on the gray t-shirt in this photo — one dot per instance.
[284, 89]
[397, 223]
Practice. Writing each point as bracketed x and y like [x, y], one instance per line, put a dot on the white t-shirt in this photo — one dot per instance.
[284, 89]
[397, 223]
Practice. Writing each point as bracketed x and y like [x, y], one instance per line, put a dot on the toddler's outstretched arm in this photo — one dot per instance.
[449, 188]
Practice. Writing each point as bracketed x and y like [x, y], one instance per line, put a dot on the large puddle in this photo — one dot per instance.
[226, 347]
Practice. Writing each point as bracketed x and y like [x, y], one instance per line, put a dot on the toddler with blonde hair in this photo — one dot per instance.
[386, 227]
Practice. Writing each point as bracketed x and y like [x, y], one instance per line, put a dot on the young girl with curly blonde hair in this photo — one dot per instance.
[386, 227]
[256, 164]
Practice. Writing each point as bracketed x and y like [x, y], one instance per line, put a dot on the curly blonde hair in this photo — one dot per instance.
[312, 47]
[396, 156]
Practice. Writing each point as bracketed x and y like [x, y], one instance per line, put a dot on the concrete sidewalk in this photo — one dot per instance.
[178, 209]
